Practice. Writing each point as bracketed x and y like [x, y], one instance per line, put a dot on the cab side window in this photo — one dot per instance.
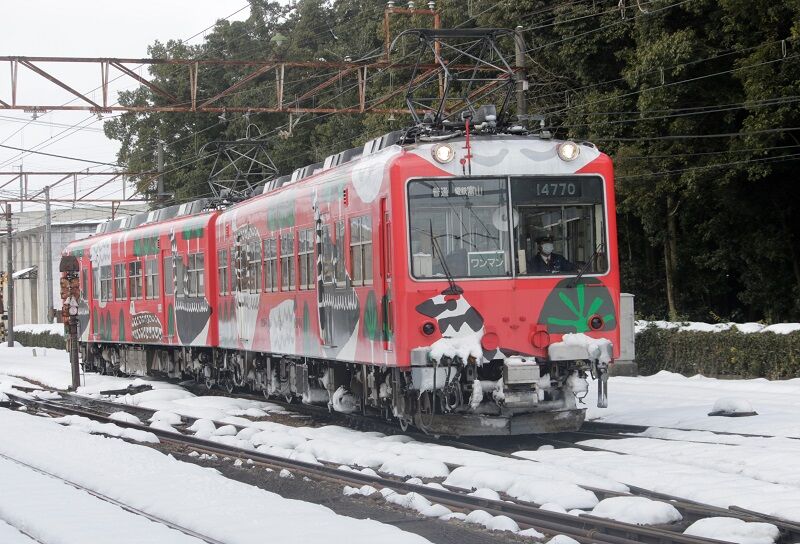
[361, 250]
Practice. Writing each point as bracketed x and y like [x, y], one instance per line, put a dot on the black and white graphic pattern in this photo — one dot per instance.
[337, 306]
[192, 314]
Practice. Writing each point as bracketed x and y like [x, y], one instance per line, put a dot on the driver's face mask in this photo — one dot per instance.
[547, 248]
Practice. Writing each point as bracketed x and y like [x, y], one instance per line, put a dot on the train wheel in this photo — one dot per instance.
[229, 383]
[403, 422]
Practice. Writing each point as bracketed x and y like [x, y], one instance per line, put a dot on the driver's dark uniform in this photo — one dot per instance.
[552, 264]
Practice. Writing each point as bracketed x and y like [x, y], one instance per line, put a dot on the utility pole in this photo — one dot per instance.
[522, 82]
[10, 276]
[48, 255]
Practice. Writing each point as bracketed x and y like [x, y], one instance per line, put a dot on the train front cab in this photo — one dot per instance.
[503, 341]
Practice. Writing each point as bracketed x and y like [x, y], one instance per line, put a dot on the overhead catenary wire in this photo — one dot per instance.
[92, 117]
[780, 158]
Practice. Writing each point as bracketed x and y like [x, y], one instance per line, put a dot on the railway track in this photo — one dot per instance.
[584, 528]
[105, 498]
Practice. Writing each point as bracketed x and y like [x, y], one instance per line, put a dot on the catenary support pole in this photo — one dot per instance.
[160, 162]
[10, 276]
[519, 46]
[48, 255]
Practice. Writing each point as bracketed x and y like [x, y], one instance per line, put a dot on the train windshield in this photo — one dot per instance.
[559, 225]
[462, 227]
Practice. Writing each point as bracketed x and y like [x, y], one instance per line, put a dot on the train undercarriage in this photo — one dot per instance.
[501, 397]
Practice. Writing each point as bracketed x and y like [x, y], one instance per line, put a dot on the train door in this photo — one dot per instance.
[387, 322]
[328, 279]
[167, 291]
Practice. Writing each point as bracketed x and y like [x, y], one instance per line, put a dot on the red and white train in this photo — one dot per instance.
[406, 278]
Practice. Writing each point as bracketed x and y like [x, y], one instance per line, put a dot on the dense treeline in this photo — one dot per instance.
[697, 101]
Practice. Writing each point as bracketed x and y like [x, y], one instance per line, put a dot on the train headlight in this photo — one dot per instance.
[568, 151]
[428, 328]
[443, 153]
[596, 322]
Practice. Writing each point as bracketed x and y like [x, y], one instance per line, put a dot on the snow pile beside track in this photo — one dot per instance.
[636, 510]
[94, 427]
[734, 530]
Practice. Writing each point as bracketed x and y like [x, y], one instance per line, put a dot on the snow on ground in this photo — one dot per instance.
[667, 399]
[767, 459]
[51, 369]
[198, 498]
[696, 326]
[756, 473]
[52, 511]
[698, 483]
[9, 382]
[10, 535]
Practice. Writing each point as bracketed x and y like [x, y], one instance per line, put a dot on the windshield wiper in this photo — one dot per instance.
[585, 266]
[453, 289]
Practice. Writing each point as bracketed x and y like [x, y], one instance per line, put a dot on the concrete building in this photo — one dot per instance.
[30, 298]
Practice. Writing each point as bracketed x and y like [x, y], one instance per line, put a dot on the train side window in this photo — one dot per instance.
[105, 282]
[95, 282]
[222, 259]
[327, 256]
[361, 249]
[338, 258]
[152, 281]
[195, 272]
[169, 276]
[120, 283]
[200, 259]
[254, 267]
[270, 265]
[135, 277]
[306, 254]
[288, 278]
[84, 283]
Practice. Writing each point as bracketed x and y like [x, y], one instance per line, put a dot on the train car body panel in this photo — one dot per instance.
[321, 310]
[147, 285]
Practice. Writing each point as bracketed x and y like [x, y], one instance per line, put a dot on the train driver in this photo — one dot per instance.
[546, 261]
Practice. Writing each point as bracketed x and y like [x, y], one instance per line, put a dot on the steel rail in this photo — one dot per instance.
[585, 529]
[115, 502]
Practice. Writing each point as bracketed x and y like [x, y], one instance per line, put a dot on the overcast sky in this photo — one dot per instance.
[89, 28]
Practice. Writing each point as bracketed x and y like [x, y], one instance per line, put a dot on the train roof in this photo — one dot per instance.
[152, 224]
